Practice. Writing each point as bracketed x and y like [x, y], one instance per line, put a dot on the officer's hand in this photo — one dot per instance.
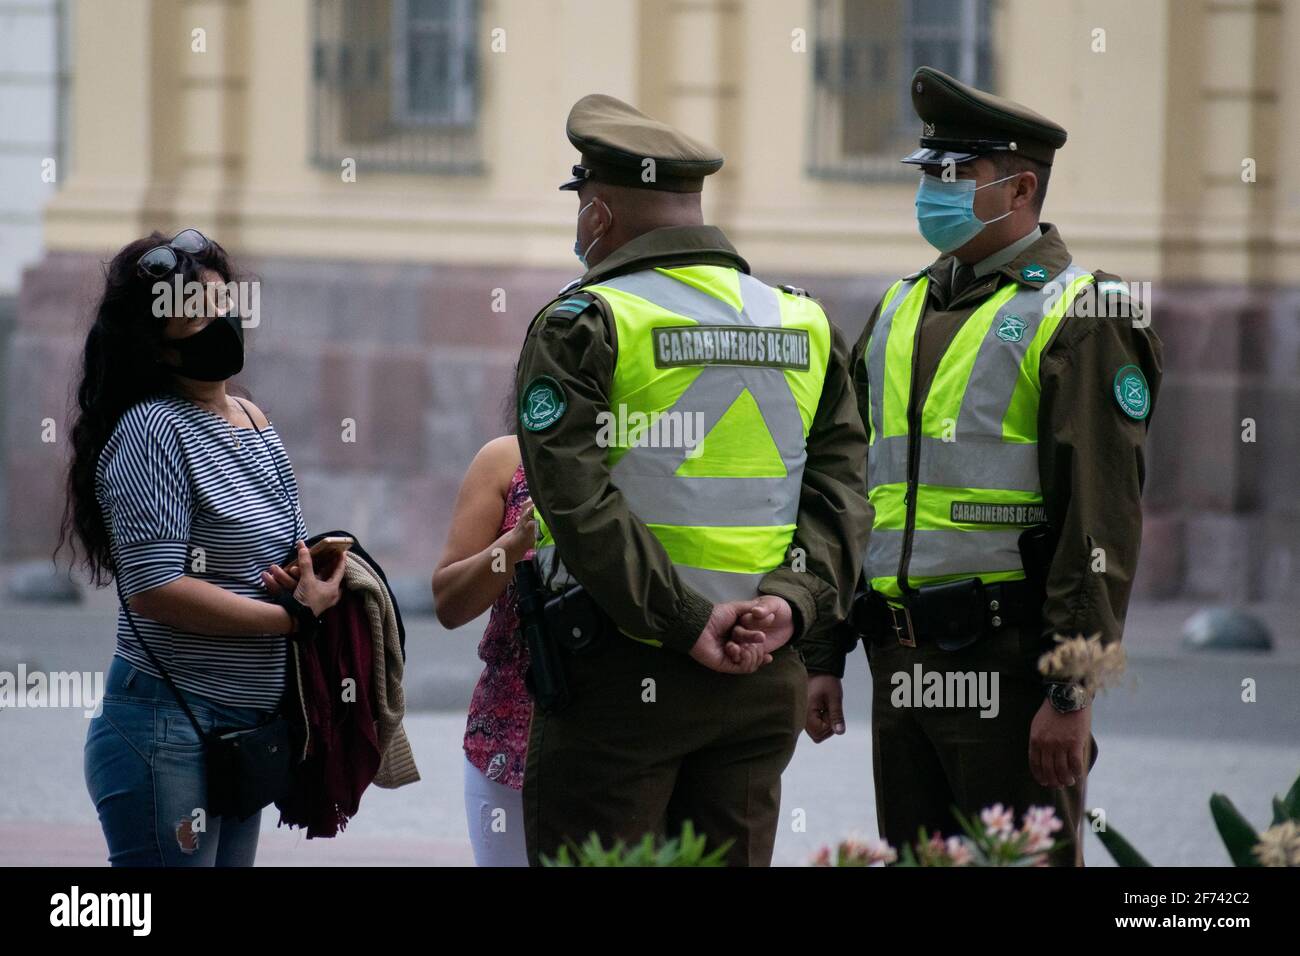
[769, 622]
[825, 707]
[1058, 745]
[716, 651]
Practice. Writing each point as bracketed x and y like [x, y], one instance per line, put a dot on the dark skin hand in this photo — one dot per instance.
[1058, 745]
[742, 635]
[825, 717]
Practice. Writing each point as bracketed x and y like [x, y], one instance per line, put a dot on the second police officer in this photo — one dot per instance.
[1006, 391]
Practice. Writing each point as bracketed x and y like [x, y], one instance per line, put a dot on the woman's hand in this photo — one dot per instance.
[523, 536]
[319, 594]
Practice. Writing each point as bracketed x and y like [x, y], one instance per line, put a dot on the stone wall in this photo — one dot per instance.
[416, 355]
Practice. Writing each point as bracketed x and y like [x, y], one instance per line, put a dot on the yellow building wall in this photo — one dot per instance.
[1147, 186]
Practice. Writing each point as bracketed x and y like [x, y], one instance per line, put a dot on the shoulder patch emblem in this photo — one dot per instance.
[571, 307]
[1034, 273]
[1011, 328]
[1132, 392]
[542, 404]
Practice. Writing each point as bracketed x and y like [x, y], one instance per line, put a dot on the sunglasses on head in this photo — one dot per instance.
[161, 261]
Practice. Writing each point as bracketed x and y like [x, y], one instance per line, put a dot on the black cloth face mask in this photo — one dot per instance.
[214, 353]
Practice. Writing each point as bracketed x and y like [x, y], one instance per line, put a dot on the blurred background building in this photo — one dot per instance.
[388, 170]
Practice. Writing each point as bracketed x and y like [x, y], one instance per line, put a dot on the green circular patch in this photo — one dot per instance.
[542, 404]
[1132, 392]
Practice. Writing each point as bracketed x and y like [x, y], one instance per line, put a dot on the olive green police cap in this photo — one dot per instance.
[959, 123]
[616, 140]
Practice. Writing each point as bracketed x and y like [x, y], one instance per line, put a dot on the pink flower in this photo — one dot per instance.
[823, 857]
[881, 852]
[998, 820]
[959, 852]
[1038, 826]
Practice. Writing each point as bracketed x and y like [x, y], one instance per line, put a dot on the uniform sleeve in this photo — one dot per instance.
[149, 503]
[1092, 466]
[824, 649]
[834, 516]
[600, 541]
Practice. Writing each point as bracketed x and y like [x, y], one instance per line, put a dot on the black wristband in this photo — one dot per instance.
[304, 615]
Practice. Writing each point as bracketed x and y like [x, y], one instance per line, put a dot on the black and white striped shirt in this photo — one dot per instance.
[185, 492]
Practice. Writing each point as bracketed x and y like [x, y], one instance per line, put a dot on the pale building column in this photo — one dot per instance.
[1225, 84]
[107, 190]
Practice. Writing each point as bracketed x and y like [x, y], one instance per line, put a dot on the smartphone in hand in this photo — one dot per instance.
[323, 555]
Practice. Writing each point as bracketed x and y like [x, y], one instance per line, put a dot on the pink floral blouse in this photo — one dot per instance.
[496, 734]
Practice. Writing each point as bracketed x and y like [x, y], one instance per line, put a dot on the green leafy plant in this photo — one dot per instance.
[688, 849]
[1279, 845]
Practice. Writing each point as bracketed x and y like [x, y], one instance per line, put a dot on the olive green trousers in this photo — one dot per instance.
[929, 759]
[653, 739]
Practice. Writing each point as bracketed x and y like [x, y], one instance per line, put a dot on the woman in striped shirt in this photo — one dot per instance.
[185, 495]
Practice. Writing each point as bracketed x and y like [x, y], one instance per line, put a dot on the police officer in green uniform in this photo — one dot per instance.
[693, 447]
[1006, 391]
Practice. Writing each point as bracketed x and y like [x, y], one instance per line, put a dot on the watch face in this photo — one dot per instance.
[1067, 697]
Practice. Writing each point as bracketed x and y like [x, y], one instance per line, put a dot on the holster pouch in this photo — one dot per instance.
[575, 622]
[951, 615]
[545, 678]
[1037, 549]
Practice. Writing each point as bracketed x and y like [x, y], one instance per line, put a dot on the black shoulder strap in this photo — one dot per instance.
[180, 699]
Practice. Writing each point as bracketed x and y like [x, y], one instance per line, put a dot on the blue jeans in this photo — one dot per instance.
[147, 776]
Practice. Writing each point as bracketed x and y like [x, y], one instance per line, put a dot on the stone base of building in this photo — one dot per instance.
[385, 379]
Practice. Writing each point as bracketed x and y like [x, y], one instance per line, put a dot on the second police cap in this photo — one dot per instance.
[617, 141]
[959, 123]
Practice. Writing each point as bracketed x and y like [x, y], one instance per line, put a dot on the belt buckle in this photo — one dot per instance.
[906, 636]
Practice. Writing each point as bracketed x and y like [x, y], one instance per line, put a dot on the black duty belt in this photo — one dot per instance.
[952, 615]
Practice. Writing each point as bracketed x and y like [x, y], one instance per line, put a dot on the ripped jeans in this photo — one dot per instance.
[147, 775]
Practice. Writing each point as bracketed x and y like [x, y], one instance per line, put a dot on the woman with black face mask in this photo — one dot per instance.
[183, 495]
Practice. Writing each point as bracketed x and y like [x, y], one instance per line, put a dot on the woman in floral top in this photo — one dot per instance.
[492, 527]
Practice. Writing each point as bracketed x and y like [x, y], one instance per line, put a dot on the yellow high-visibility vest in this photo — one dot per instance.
[974, 460]
[715, 386]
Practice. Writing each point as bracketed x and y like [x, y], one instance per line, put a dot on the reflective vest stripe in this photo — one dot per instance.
[900, 292]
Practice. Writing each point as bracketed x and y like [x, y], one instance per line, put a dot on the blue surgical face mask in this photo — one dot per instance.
[945, 211]
[577, 248]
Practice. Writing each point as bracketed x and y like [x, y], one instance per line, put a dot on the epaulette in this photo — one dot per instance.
[795, 290]
[1108, 296]
[570, 307]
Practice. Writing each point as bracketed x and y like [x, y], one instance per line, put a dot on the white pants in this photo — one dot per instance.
[495, 815]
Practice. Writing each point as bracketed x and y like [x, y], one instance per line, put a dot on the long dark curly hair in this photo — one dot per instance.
[119, 369]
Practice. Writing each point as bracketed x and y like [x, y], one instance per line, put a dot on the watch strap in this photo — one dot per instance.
[303, 614]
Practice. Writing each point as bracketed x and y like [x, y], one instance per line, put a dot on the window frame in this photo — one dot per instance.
[825, 158]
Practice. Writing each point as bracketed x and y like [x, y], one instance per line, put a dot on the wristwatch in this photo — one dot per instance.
[301, 613]
[1067, 698]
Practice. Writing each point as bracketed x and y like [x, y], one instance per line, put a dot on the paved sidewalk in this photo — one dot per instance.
[1177, 731]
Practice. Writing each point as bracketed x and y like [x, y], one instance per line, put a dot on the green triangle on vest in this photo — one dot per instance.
[740, 445]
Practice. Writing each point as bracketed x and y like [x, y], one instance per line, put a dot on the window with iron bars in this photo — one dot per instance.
[864, 54]
[396, 85]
